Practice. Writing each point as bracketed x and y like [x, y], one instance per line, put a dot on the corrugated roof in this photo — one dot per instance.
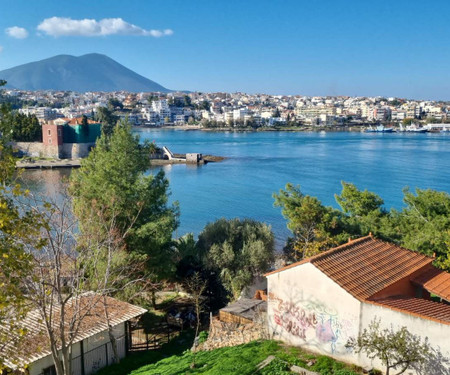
[36, 343]
[366, 266]
[246, 307]
[423, 308]
[436, 281]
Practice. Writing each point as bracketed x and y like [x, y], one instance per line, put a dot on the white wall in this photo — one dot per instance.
[306, 308]
[94, 342]
[438, 334]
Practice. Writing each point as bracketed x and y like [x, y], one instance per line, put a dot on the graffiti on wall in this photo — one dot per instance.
[311, 321]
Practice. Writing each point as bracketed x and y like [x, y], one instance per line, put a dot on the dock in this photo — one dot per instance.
[49, 164]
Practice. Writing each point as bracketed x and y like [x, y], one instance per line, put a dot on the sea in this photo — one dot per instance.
[259, 164]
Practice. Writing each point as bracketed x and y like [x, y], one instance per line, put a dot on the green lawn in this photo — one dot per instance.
[174, 358]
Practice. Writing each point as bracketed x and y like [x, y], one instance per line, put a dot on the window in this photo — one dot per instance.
[50, 370]
[49, 132]
[50, 141]
[59, 132]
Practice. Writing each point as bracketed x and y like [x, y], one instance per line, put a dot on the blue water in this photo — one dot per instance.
[259, 164]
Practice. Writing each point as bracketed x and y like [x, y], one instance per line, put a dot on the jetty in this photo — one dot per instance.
[164, 157]
[48, 164]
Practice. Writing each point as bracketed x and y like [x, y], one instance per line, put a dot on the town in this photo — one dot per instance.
[231, 110]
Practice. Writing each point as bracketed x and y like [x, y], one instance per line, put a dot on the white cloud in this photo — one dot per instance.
[60, 26]
[17, 32]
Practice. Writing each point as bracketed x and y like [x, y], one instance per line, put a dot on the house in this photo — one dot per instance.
[68, 138]
[323, 301]
[91, 348]
[63, 139]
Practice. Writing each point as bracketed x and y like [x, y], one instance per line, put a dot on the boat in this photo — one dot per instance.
[379, 129]
[413, 128]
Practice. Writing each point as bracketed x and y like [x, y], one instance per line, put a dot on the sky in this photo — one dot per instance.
[396, 48]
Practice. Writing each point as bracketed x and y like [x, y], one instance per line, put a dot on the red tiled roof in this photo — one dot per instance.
[416, 306]
[435, 281]
[366, 266]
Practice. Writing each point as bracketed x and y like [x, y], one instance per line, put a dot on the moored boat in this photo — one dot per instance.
[379, 129]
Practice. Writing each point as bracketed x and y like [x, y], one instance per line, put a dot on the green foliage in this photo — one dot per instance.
[315, 227]
[407, 121]
[114, 103]
[242, 360]
[108, 120]
[111, 190]
[237, 250]
[19, 127]
[423, 225]
[276, 367]
[84, 125]
[19, 229]
[203, 336]
[397, 349]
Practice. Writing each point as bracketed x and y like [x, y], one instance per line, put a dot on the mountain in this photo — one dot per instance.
[91, 72]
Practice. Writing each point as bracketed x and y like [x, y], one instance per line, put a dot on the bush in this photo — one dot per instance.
[203, 336]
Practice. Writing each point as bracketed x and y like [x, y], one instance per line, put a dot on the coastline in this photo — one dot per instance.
[314, 129]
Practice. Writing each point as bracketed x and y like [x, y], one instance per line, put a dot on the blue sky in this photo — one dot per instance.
[388, 48]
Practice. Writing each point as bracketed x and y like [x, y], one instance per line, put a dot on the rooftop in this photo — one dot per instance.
[423, 308]
[90, 305]
[435, 281]
[366, 265]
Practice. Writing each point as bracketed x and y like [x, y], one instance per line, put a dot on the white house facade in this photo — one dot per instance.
[324, 301]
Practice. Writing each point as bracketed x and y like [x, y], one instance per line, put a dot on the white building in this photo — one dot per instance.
[91, 348]
[322, 302]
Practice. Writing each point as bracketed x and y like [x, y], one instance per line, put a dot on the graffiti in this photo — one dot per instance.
[313, 322]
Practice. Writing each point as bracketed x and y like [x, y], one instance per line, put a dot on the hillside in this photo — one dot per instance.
[92, 72]
[173, 358]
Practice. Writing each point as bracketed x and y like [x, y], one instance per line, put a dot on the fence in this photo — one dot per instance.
[160, 334]
[95, 359]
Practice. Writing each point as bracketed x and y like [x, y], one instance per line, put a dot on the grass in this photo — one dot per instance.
[174, 358]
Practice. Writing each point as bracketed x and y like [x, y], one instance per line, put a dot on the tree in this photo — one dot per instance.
[424, 224]
[114, 103]
[407, 121]
[187, 101]
[397, 349]
[19, 127]
[84, 125]
[72, 275]
[314, 226]
[107, 119]
[237, 251]
[18, 228]
[195, 285]
[363, 209]
[113, 181]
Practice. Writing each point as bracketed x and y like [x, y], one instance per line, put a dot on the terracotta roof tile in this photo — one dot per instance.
[435, 281]
[366, 266]
[419, 307]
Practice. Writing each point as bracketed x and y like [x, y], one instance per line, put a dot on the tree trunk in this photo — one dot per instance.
[66, 361]
[154, 299]
[112, 338]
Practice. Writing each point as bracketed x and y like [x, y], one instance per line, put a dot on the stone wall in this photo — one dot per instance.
[64, 151]
[35, 149]
[75, 150]
[222, 334]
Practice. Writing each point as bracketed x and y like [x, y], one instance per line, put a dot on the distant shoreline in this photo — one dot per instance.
[264, 129]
